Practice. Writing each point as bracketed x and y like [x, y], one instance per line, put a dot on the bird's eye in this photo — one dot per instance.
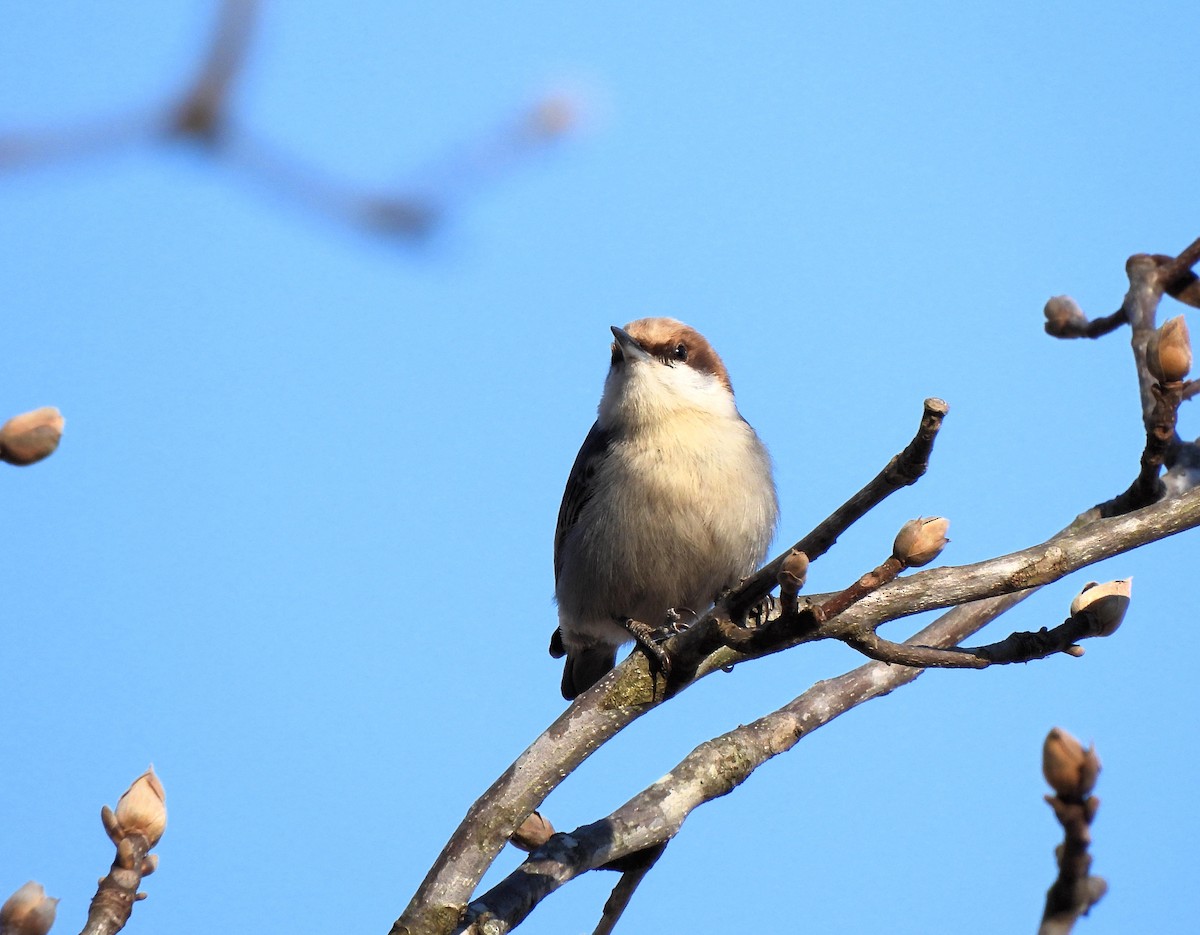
[680, 352]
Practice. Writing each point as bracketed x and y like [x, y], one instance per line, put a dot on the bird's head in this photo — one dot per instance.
[661, 368]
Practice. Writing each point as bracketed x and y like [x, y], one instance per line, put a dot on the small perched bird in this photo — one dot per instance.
[669, 502]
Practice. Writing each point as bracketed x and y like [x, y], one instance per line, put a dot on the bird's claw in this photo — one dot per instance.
[649, 638]
[760, 613]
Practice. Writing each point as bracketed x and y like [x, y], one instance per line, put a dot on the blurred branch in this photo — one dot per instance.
[204, 114]
[1071, 772]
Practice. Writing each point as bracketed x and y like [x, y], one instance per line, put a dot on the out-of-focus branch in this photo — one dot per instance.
[134, 827]
[31, 436]
[202, 111]
[204, 114]
[1071, 772]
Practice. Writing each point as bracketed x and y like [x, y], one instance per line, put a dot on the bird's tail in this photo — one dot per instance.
[585, 668]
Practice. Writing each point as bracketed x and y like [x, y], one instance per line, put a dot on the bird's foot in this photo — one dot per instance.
[760, 613]
[649, 638]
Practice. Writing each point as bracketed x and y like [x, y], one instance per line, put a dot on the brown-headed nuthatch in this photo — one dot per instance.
[670, 500]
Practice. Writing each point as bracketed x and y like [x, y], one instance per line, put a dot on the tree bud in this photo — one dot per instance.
[142, 809]
[1070, 770]
[1106, 603]
[31, 436]
[28, 911]
[554, 115]
[1169, 353]
[793, 571]
[920, 541]
[1064, 316]
[533, 833]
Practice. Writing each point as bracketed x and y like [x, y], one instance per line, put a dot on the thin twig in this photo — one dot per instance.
[1083, 327]
[1176, 272]
[618, 900]
[201, 112]
[903, 470]
[1017, 647]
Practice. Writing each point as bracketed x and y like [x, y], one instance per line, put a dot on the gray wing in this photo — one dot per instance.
[579, 488]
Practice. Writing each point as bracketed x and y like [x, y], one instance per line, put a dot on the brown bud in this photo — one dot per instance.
[1064, 316]
[31, 436]
[28, 911]
[142, 809]
[1106, 603]
[554, 115]
[920, 541]
[533, 833]
[793, 571]
[1169, 353]
[1070, 770]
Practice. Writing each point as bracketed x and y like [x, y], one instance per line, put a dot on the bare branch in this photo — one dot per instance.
[711, 770]
[1018, 647]
[635, 871]
[1177, 273]
[984, 591]
[1162, 441]
[1065, 319]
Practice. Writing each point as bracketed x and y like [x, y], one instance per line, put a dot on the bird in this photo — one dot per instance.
[670, 501]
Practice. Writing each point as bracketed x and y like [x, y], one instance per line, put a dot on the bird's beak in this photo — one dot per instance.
[630, 349]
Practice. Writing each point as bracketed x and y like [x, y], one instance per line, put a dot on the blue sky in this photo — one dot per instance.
[295, 547]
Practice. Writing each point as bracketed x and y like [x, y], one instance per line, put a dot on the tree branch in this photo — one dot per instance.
[983, 590]
[622, 893]
[711, 770]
